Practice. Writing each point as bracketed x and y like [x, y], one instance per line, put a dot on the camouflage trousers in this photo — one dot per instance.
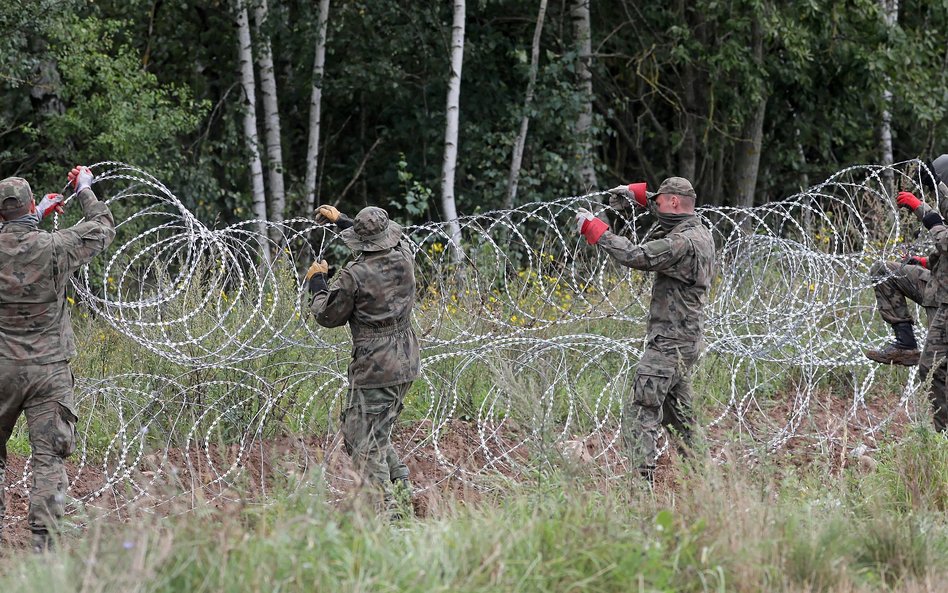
[900, 281]
[933, 363]
[367, 429]
[44, 393]
[661, 396]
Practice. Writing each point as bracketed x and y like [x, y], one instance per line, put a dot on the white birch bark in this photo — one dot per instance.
[513, 178]
[451, 131]
[582, 31]
[250, 126]
[315, 106]
[271, 116]
[890, 11]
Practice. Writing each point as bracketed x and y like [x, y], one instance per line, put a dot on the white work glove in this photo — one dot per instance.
[80, 177]
[49, 204]
[582, 215]
[620, 198]
[589, 226]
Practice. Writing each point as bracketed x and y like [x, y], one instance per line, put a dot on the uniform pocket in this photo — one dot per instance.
[65, 441]
[376, 400]
[651, 387]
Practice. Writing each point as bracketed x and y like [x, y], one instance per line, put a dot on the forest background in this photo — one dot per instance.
[248, 111]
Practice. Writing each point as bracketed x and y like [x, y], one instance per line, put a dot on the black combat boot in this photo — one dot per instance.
[904, 350]
[42, 542]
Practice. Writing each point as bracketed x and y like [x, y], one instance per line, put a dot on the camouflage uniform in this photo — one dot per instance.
[932, 361]
[37, 341]
[900, 280]
[661, 394]
[374, 294]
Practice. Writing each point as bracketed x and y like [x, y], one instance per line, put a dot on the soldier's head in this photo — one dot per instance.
[16, 198]
[933, 177]
[372, 230]
[675, 196]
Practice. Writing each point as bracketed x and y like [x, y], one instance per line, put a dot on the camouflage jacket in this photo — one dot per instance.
[684, 264]
[35, 266]
[375, 294]
[936, 293]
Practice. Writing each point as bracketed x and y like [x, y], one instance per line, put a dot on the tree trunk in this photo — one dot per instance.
[582, 32]
[271, 116]
[687, 153]
[319, 64]
[250, 126]
[747, 149]
[517, 159]
[890, 11]
[747, 159]
[688, 148]
[451, 131]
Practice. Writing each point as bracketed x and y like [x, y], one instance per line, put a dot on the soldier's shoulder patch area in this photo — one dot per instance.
[657, 247]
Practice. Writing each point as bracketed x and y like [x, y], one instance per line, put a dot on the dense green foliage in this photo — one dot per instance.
[675, 87]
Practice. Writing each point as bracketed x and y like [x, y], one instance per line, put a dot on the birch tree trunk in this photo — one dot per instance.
[451, 131]
[582, 32]
[516, 160]
[890, 11]
[315, 106]
[271, 116]
[250, 126]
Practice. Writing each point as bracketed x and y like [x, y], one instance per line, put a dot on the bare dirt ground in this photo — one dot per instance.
[451, 471]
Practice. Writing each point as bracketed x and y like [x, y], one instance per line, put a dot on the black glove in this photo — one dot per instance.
[932, 219]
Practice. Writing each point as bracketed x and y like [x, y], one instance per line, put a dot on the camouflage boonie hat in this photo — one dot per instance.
[678, 186]
[371, 230]
[16, 188]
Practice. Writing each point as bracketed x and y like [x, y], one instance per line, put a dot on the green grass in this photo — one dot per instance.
[716, 528]
[732, 525]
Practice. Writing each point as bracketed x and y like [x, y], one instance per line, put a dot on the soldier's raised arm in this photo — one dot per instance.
[84, 240]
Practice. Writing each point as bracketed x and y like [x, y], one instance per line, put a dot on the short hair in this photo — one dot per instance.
[11, 210]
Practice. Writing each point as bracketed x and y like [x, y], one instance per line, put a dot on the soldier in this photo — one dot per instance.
[907, 279]
[36, 336]
[683, 262]
[374, 294]
[932, 361]
[898, 281]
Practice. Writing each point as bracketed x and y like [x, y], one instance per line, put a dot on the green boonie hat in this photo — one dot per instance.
[16, 188]
[678, 186]
[372, 230]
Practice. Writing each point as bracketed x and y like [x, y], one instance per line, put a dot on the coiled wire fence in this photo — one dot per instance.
[530, 339]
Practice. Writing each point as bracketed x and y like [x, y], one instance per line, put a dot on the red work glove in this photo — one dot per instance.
[621, 197]
[916, 260]
[80, 177]
[638, 192]
[908, 200]
[50, 203]
[589, 226]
